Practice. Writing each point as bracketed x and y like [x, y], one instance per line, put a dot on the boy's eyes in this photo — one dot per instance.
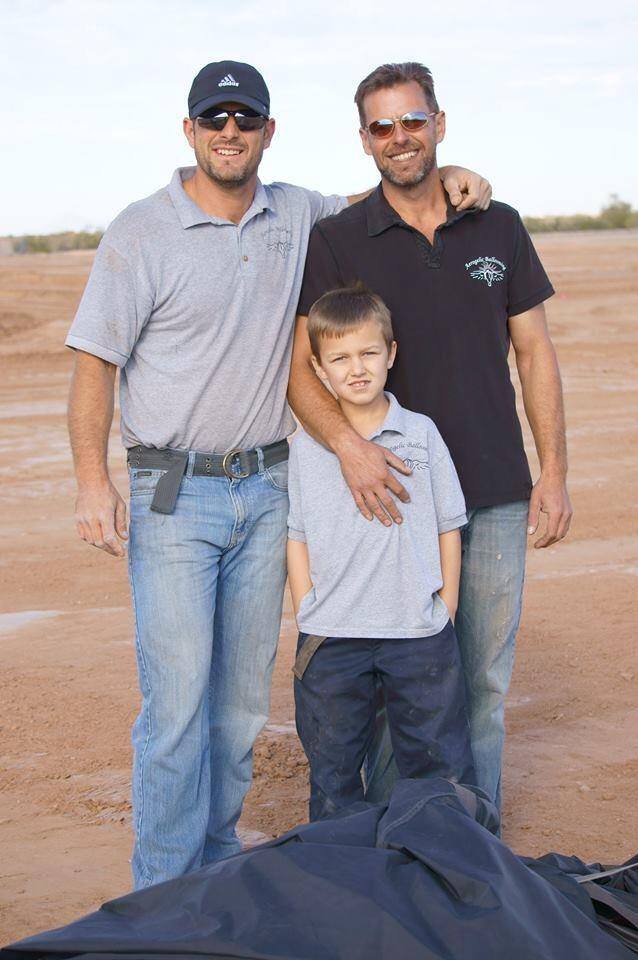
[367, 353]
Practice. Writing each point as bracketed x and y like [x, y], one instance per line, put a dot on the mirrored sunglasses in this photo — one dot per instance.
[414, 120]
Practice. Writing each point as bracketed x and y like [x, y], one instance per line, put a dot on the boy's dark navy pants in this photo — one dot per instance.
[335, 699]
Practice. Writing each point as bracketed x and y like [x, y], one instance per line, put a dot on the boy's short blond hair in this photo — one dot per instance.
[348, 308]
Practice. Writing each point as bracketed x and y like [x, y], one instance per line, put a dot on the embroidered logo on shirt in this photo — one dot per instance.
[488, 269]
[413, 463]
[228, 81]
[410, 444]
[279, 239]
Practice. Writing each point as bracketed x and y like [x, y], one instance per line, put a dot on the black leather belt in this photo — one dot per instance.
[235, 464]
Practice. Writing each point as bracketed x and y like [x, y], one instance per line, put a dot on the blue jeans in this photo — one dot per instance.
[422, 681]
[207, 585]
[490, 597]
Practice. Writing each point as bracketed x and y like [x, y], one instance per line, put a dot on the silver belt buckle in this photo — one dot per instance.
[232, 476]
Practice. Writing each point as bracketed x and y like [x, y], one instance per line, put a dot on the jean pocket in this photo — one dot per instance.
[277, 475]
[143, 482]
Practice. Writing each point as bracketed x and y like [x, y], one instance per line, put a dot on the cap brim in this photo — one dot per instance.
[229, 96]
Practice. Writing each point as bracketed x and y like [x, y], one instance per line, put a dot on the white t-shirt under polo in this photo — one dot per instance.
[198, 314]
[369, 580]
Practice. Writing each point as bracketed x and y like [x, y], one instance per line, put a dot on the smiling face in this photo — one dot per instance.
[229, 156]
[356, 364]
[404, 159]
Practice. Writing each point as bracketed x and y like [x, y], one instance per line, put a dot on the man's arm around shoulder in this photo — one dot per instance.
[465, 188]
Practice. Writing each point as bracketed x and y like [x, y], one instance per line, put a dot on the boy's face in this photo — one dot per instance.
[356, 365]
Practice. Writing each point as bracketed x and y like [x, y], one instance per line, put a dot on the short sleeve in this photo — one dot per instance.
[322, 206]
[295, 520]
[112, 311]
[449, 502]
[528, 284]
[321, 272]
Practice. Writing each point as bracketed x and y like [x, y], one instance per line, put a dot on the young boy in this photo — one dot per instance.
[373, 602]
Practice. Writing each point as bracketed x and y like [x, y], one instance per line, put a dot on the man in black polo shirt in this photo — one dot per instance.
[461, 287]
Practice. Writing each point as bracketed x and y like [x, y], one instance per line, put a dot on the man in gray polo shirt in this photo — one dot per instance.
[192, 297]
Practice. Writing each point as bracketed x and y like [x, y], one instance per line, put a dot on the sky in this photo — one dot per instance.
[540, 97]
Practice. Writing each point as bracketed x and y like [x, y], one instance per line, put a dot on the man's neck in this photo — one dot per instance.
[423, 206]
[229, 202]
[366, 419]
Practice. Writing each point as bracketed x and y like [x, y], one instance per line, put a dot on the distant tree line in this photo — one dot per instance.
[617, 215]
[56, 242]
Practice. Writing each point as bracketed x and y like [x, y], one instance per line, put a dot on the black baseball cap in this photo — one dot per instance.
[228, 81]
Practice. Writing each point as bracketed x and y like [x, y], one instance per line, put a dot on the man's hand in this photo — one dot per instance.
[465, 188]
[100, 518]
[549, 496]
[366, 469]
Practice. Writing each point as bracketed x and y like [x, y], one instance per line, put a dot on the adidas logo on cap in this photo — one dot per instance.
[228, 81]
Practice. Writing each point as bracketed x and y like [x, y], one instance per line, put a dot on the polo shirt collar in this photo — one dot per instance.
[395, 419]
[190, 215]
[381, 216]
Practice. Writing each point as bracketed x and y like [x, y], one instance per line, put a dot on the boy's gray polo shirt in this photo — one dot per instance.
[369, 580]
[198, 314]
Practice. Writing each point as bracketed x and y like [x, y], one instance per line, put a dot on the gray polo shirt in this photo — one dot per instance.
[198, 314]
[369, 580]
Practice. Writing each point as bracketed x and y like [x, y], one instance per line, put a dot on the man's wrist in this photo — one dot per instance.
[343, 441]
[554, 470]
[93, 483]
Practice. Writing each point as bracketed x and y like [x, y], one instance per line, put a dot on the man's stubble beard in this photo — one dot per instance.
[230, 179]
[409, 180]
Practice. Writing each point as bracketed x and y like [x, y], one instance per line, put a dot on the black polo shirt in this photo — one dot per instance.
[450, 302]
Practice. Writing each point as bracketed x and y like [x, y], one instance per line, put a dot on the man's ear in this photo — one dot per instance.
[439, 122]
[269, 132]
[365, 141]
[189, 130]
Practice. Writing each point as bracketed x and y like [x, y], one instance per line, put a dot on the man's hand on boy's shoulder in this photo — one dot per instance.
[367, 469]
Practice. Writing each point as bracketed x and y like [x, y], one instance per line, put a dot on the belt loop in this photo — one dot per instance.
[260, 459]
[191, 464]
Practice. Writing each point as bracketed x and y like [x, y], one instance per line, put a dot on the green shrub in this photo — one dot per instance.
[617, 215]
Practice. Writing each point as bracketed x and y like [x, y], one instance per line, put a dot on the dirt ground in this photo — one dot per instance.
[68, 689]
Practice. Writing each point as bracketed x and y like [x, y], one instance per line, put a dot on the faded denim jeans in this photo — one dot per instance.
[490, 597]
[207, 585]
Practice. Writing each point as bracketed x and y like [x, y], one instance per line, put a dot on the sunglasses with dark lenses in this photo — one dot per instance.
[414, 120]
[245, 119]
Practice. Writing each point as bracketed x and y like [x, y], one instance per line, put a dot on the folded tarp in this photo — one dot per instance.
[421, 878]
[613, 890]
